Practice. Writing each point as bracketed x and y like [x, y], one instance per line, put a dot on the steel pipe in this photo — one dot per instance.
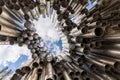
[8, 31]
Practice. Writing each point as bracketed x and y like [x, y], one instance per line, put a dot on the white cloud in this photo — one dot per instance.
[11, 53]
[46, 29]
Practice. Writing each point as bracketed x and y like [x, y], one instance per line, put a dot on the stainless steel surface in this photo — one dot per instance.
[90, 38]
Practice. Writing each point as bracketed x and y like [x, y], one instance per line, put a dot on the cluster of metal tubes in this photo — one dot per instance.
[91, 38]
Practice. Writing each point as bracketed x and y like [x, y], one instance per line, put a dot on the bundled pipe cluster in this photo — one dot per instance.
[93, 37]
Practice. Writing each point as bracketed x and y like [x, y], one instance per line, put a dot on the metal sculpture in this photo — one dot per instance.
[92, 38]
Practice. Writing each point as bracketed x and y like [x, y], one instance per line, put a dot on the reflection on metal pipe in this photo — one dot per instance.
[8, 31]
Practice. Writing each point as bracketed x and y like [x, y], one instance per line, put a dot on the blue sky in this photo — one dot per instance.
[91, 4]
[14, 66]
[51, 47]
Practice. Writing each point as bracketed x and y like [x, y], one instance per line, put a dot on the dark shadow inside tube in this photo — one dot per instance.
[59, 74]
[117, 65]
[12, 42]
[86, 50]
[15, 77]
[119, 25]
[71, 73]
[55, 77]
[92, 45]
[76, 78]
[0, 11]
[35, 64]
[0, 27]
[62, 78]
[26, 69]
[39, 71]
[77, 73]
[78, 39]
[86, 40]
[84, 30]
[87, 79]
[13, 1]
[107, 67]
[3, 38]
[49, 79]
[18, 71]
[27, 17]
[99, 31]
[2, 3]
[41, 62]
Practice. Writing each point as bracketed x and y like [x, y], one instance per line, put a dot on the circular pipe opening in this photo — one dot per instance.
[99, 32]
[107, 67]
[39, 71]
[84, 30]
[18, 71]
[35, 64]
[76, 78]
[71, 73]
[86, 50]
[117, 65]
[41, 62]
[2, 3]
[3, 38]
[87, 78]
[77, 73]
[26, 69]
